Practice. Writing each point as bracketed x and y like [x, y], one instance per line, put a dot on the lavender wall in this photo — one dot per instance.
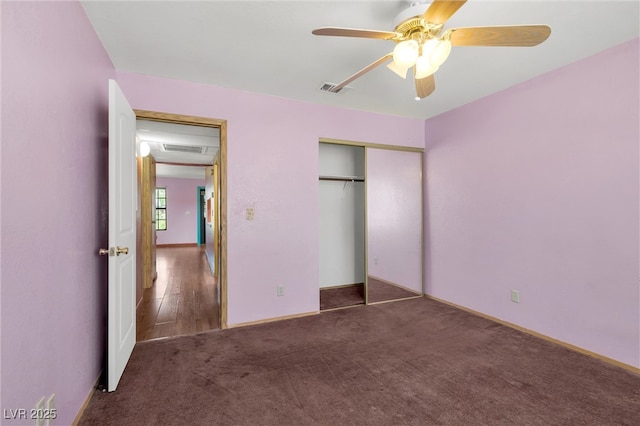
[273, 168]
[536, 189]
[54, 205]
[394, 217]
[182, 210]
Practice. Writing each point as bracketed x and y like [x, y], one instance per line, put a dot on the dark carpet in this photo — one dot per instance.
[380, 291]
[341, 297]
[411, 362]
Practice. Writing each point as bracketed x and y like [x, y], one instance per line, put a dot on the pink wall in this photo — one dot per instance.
[182, 210]
[394, 216]
[54, 205]
[536, 189]
[273, 168]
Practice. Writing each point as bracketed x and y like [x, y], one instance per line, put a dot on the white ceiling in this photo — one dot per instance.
[267, 46]
[179, 150]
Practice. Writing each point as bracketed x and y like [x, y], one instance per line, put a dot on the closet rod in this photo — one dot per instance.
[342, 179]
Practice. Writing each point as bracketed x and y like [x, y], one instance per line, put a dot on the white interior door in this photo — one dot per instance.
[122, 235]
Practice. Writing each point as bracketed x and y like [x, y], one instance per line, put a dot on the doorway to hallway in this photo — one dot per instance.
[189, 295]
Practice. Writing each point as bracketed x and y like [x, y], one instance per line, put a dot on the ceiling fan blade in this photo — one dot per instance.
[441, 10]
[508, 35]
[364, 70]
[425, 86]
[353, 32]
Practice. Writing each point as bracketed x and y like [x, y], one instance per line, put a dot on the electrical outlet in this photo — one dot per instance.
[280, 290]
[515, 296]
[375, 260]
[39, 412]
[50, 409]
[250, 214]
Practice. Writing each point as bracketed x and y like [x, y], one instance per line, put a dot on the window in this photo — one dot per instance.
[161, 209]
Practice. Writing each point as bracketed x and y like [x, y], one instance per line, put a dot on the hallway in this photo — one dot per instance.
[184, 298]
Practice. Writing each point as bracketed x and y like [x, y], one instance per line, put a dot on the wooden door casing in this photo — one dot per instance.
[148, 212]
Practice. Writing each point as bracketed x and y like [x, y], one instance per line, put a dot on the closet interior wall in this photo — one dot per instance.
[342, 215]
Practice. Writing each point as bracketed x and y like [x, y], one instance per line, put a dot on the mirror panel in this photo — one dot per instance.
[394, 224]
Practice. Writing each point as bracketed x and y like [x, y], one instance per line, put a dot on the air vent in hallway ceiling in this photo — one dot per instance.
[182, 148]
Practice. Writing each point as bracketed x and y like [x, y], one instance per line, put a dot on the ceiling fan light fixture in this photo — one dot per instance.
[429, 46]
[441, 52]
[405, 53]
[401, 71]
[425, 67]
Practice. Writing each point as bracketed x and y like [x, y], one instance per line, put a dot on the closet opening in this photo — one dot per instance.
[371, 223]
[342, 226]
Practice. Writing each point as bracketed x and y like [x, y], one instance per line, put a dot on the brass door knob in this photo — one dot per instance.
[103, 252]
[122, 250]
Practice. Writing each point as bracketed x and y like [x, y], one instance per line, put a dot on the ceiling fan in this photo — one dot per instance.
[422, 44]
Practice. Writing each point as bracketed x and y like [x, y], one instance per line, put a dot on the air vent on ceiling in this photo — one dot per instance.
[328, 87]
[182, 148]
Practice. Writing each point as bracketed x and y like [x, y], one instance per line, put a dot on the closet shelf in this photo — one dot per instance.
[343, 178]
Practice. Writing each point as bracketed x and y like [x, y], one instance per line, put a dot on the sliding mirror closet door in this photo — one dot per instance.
[342, 228]
[394, 224]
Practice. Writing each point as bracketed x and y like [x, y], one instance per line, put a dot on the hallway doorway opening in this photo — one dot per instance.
[189, 293]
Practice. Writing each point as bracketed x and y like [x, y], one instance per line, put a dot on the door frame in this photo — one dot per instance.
[222, 225]
[147, 196]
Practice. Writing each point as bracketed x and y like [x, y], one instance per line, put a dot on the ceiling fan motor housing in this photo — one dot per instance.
[416, 9]
[411, 25]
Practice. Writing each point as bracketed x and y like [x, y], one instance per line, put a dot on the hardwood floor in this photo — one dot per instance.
[183, 299]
